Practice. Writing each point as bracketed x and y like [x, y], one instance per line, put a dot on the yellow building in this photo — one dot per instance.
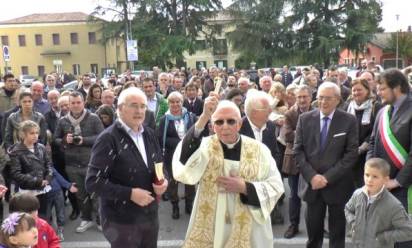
[220, 53]
[62, 42]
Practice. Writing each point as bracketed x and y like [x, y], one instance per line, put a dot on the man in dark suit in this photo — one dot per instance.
[394, 90]
[326, 149]
[192, 103]
[121, 172]
[287, 77]
[256, 125]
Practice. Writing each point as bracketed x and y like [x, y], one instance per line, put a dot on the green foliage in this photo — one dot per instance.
[404, 44]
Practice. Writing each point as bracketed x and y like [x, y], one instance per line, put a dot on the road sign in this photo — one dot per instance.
[132, 54]
[6, 53]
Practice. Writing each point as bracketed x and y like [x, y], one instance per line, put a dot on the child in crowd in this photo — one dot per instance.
[28, 203]
[18, 231]
[375, 217]
[31, 167]
[55, 198]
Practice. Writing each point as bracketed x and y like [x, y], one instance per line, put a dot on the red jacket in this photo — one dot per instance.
[47, 236]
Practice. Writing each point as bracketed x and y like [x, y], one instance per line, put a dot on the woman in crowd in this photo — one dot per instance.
[362, 105]
[94, 98]
[106, 115]
[172, 128]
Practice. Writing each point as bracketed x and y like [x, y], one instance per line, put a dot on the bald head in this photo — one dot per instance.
[52, 98]
[37, 90]
[108, 97]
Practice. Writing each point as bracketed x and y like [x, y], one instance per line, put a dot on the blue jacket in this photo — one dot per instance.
[58, 182]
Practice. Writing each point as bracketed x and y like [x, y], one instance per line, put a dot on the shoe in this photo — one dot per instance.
[165, 196]
[60, 234]
[74, 215]
[291, 232]
[84, 225]
[188, 207]
[175, 212]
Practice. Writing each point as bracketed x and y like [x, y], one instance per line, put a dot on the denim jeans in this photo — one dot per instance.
[56, 199]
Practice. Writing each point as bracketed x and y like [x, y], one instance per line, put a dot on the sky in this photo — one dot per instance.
[19, 8]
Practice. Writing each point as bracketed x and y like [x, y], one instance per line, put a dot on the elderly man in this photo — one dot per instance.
[53, 115]
[50, 82]
[40, 104]
[121, 171]
[108, 98]
[326, 149]
[239, 183]
[244, 85]
[76, 133]
[265, 83]
[289, 167]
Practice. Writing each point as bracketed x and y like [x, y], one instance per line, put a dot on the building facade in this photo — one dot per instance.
[64, 42]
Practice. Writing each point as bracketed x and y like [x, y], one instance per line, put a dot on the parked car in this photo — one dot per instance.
[27, 80]
[70, 86]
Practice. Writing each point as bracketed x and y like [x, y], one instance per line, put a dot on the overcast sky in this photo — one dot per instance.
[18, 8]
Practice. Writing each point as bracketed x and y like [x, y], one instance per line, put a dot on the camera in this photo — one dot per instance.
[76, 139]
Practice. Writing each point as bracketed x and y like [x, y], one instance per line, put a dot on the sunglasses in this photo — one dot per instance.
[230, 122]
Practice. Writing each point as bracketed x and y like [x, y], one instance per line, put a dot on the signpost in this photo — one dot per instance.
[6, 57]
[132, 53]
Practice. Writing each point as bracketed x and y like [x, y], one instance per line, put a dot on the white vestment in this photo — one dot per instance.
[267, 182]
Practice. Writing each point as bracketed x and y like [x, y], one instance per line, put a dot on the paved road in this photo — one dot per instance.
[172, 232]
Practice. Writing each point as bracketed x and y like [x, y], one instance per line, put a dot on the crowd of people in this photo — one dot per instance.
[230, 139]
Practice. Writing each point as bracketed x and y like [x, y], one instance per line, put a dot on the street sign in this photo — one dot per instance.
[132, 54]
[6, 53]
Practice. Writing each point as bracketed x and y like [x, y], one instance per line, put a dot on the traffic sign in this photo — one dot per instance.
[6, 53]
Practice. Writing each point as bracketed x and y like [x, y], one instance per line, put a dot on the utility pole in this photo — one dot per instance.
[397, 40]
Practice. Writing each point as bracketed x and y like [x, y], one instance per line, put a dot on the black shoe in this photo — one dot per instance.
[74, 215]
[165, 196]
[188, 207]
[175, 213]
[291, 232]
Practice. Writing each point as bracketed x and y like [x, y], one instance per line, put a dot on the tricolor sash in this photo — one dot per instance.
[393, 148]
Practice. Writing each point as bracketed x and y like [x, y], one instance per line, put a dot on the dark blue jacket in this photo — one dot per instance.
[116, 167]
[58, 182]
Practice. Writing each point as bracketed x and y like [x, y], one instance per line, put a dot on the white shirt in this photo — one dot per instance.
[256, 131]
[137, 138]
[330, 116]
[152, 103]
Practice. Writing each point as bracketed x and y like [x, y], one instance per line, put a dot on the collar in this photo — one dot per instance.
[330, 115]
[231, 146]
[129, 129]
[374, 197]
[255, 127]
[41, 100]
[154, 99]
[399, 102]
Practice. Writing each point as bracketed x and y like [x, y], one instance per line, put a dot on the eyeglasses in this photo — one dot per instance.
[136, 106]
[230, 122]
[325, 98]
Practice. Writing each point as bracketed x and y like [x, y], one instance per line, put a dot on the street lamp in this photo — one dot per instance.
[397, 40]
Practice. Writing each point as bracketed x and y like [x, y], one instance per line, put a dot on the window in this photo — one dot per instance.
[74, 38]
[22, 40]
[25, 70]
[40, 70]
[76, 69]
[201, 44]
[221, 63]
[38, 39]
[220, 47]
[4, 40]
[200, 64]
[92, 38]
[94, 68]
[56, 39]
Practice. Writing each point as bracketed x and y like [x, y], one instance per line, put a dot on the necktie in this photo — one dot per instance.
[324, 133]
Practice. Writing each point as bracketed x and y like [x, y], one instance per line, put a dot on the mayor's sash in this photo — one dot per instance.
[393, 148]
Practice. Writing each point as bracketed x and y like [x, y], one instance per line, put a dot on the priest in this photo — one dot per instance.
[239, 183]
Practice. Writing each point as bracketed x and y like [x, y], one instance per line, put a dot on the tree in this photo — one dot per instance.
[165, 28]
[404, 45]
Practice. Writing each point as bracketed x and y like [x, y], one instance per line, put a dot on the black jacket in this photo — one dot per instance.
[196, 108]
[30, 169]
[116, 166]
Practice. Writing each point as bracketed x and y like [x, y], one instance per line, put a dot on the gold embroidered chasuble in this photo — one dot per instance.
[221, 219]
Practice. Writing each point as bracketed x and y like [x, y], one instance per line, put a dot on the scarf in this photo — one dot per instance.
[169, 117]
[76, 122]
[367, 110]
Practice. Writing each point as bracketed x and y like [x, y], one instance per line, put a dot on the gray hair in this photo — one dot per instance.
[329, 85]
[226, 104]
[132, 91]
[244, 79]
[291, 87]
[303, 87]
[175, 94]
[62, 99]
[255, 99]
[53, 92]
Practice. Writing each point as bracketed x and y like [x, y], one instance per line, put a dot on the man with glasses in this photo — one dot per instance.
[121, 172]
[326, 149]
[239, 183]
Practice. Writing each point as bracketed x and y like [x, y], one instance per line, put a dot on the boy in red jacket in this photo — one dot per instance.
[29, 203]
